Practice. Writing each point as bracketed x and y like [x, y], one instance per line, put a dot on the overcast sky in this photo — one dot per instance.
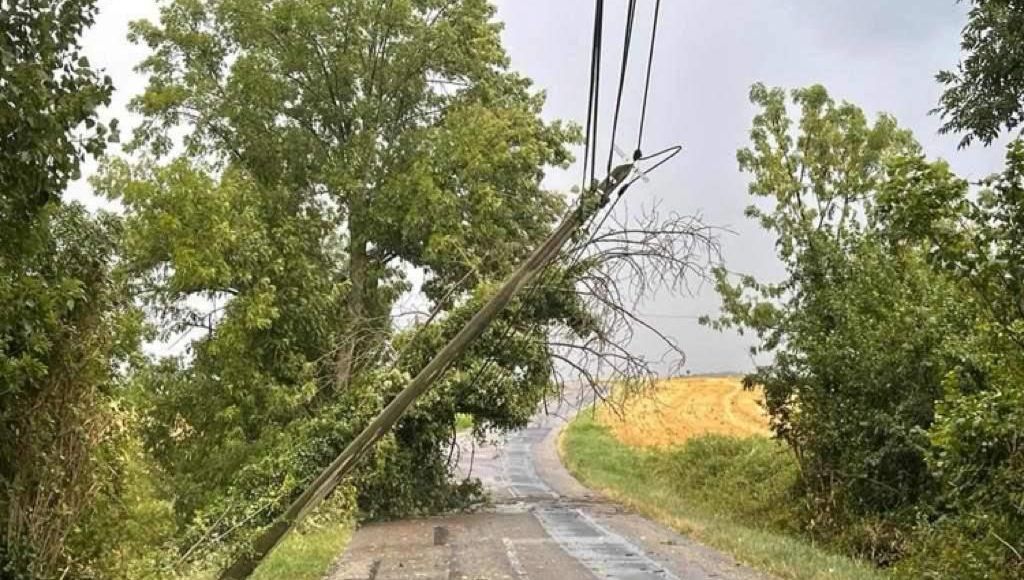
[879, 54]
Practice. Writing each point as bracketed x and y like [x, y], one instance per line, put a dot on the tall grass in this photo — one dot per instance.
[729, 493]
[306, 555]
[463, 422]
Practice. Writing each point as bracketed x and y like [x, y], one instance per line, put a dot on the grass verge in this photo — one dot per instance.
[463, 422]
[306, 555]
[725, 492]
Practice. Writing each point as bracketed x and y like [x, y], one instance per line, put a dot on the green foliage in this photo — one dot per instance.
[375, 108]
[855, 325]
[65, 434]
[985, 95]
[127, 531]
[326, 149]
[48, 103]
[734, 494]
[249, 264]
[67, 326]
[463, 422]
[705, 470]
[976, 522]
[895, 336]
[306, 555]
[48, 92]
[972, 545]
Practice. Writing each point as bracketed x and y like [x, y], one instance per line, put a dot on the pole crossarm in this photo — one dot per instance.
[591, 201]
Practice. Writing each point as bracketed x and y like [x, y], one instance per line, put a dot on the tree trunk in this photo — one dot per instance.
[592, 201]
[359, 266]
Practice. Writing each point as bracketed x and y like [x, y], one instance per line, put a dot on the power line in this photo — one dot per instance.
[593, 98]
[647, 83]
[591, 145]
[589, 164]
[627, 41]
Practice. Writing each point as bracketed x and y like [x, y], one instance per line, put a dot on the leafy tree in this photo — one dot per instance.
[66, 325]
[895, 336]
[856, 328]
[327, 148]
[403, 116]
[979, 524]
[48, 104]
[985, 95]
[975, 525]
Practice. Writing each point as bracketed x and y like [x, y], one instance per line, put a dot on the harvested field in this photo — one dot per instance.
[688, 407]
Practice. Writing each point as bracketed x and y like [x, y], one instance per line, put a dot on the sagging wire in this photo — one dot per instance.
[638, 155]
[627, 42]
[647, 83]
[592, 115]
[591, 140]
[589, 155]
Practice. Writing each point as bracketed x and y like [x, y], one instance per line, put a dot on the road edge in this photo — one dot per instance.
[676, 551]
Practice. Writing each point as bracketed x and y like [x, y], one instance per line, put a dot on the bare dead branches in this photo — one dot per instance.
[622, 266]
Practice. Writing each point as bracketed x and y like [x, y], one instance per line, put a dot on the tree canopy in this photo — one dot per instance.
[985, 94]
[296, 161]
[67, 327]
[893, 339]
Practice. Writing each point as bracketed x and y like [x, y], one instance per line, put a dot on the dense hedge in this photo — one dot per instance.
[896, 337]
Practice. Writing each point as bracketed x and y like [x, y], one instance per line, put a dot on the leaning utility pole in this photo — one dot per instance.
[590, 203]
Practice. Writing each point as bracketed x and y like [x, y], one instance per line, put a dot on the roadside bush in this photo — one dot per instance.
[975, 521]
[67, 329]
[965, 546]
[127, 532]
[856, 329]
[896, 338]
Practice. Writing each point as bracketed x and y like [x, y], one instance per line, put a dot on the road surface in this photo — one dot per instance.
[542, 525]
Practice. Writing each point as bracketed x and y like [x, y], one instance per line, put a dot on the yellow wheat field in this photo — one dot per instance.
[688, 407]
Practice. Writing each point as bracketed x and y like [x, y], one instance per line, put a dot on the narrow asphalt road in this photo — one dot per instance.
[542, 525]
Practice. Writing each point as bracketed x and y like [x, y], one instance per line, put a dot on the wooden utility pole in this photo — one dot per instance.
[590, 203]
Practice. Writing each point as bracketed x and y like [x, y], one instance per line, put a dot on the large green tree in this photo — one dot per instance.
[66, 325]
[854, 330]
[297, 159]
[401, 116]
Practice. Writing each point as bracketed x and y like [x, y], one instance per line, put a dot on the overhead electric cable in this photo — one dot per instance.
[589, 169]
[627, 41]
[591, 146]
[647, 83]
[593, 98]
[638, 153]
